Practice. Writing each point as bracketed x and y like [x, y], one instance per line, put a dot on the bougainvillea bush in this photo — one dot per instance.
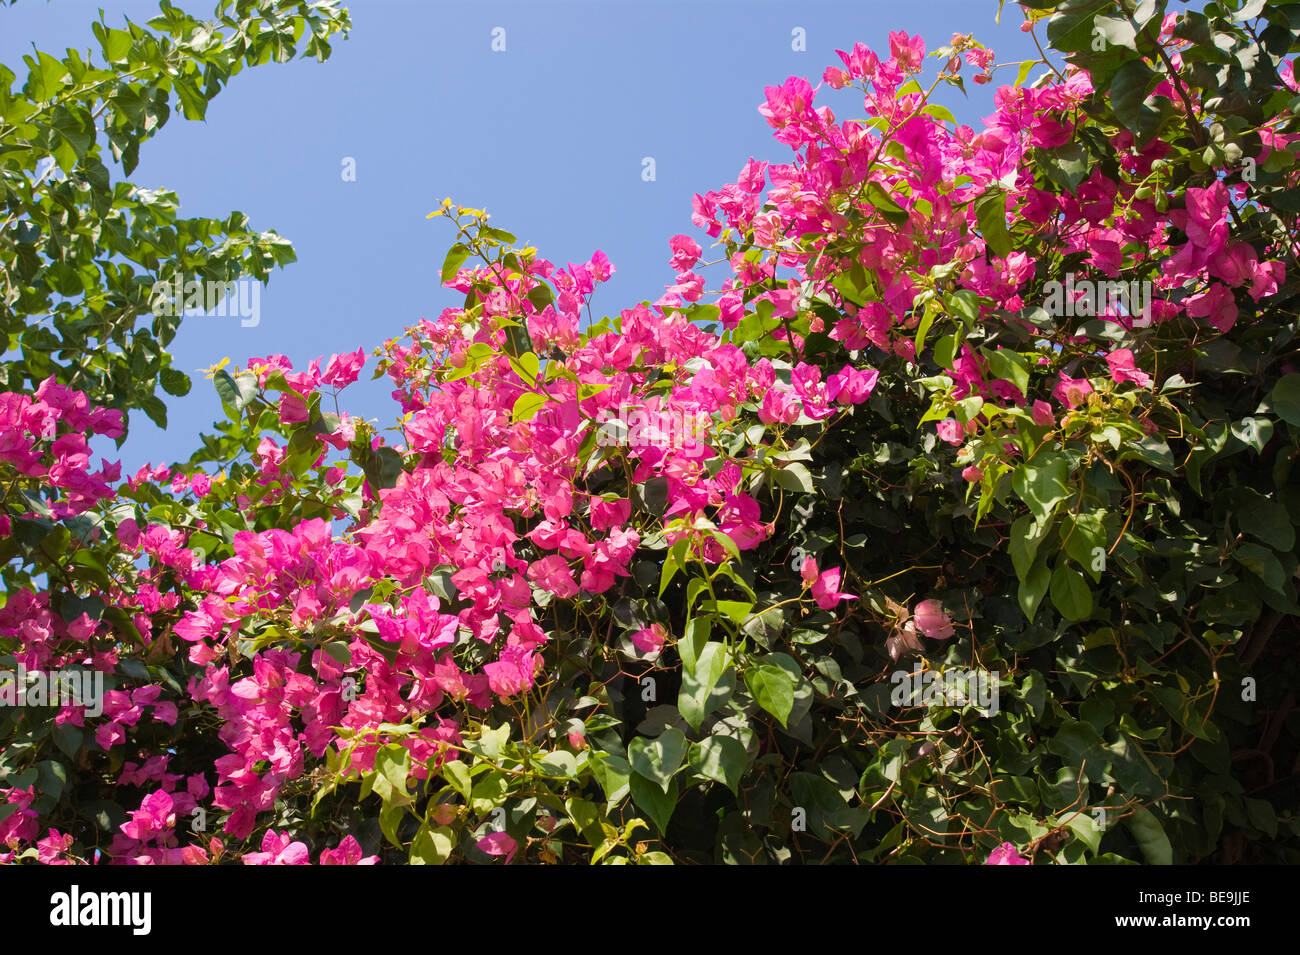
[942, 510]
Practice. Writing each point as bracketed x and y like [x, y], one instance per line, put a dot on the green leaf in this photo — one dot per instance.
[1285, 399]
[728, 544]
[1041, 483]
[945, 350]
[1117, 31]
[795, 477]
[773, 689]
[1082, 536]
[1026, 536]
[1268, 521]
[923, 329]
[1150, 836]
[939, 112]
[67, 738]
[1071, 593]
[1085, 828]
[540, 296]
[383, 467]
[738, 611]
[1255, 431]
[613, 773]
[656, 803]
[456, 257]
[1133, 770]
[1067, 165]
[658, 759]
[432, 846]
[1009, 366]
[235, 391]
[990, 213]
[560, 763]
[393, 764]
[884, 203]
[390, 817]
[457, 775]
[339, 650]
[174, 382]
[1153, 450]
[1129, 88]
[699, 680]
[1262, 562]
[115, 43]
[720, 758]
[526, 366]
[491, 741]
[1033, 588]
[673, 562]
[695, 639]
[51, 778]
[965, 304]
[586, 816]
[526, 406]
[824, 804]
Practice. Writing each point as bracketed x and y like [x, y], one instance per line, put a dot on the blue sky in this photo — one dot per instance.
[548, 135]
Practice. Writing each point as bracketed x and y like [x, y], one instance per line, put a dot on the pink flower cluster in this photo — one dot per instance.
[44, 436]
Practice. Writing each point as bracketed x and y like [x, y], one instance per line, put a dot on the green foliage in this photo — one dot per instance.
[81, 250]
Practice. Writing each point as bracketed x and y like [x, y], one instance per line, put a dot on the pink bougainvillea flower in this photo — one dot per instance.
[293, 410]
[1072, 392]
[278, 850]
[513, 672]
[972, 474]
[825, 585]
[686, 252]
[909, 52]
[155, 815]
[1006, 854]
[607, 514]
[1122, 368]
[650, 639]
[808, 571]
[347, 853]
[1216, 304]
[51, 849]
[931, 620]
[342, 370]
[499, 844]
[1266, 280]
[950, 430]
[552, 573]
[849, 386]
[1236, 264]
[1042, 414]
[779, 404]
[826, 589]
